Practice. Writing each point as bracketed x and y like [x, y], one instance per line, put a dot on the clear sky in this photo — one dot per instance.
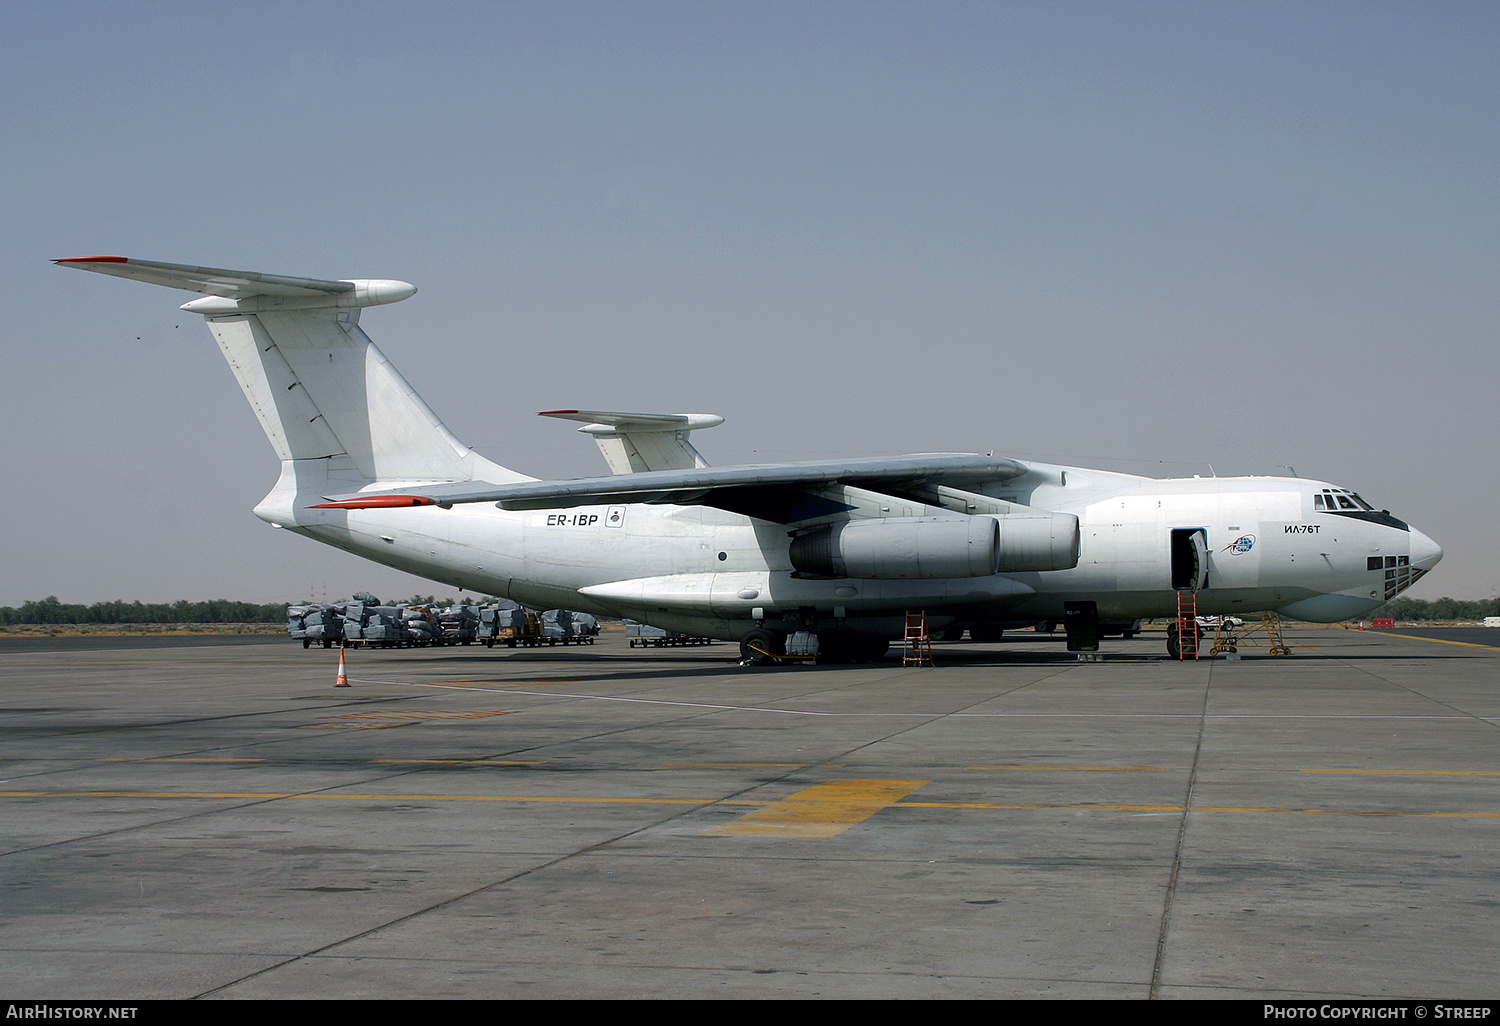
[1159, 237]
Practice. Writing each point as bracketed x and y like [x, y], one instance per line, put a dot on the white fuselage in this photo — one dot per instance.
[702, 570]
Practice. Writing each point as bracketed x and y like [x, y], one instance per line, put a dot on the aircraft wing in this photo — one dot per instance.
[211, 281]
[774, 491]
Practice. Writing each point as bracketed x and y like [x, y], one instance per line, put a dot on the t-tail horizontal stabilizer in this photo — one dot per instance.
[633, 443]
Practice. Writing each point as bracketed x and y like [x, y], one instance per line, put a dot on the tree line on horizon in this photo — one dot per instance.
[51, 610]
[1402, 608]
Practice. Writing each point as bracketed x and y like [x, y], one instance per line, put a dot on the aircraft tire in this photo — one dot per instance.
[1173, 649]
[986, 632]
[755, 646]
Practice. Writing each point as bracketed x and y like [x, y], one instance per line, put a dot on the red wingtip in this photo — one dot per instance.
[378, 502]
[92, 260]
[548, 413]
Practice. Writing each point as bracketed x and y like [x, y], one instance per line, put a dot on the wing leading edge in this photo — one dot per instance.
[211, 281]
[228, 292]
[774, 488]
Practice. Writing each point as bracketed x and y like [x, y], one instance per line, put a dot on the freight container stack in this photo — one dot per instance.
[421, 625]
[459, 624]
[315, 623]
[363, 620]
[382, 625]
[565, 627]
[511, 626]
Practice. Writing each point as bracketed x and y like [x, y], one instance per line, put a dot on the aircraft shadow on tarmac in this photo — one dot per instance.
[597, 665]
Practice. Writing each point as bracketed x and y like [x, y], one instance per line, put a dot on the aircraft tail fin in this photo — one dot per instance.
[321, 389]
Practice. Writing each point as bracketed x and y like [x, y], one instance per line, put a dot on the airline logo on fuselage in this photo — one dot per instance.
[1244, 543]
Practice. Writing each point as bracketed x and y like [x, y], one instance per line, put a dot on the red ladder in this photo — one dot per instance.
[1187, 624]
[918, 642]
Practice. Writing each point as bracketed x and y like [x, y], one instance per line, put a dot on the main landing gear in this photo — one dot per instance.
[762, 647]
[765, 647]
[1174, 641]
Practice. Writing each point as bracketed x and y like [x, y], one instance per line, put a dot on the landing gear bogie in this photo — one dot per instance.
[761, 647]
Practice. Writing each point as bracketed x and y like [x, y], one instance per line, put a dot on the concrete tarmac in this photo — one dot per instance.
[604, 822]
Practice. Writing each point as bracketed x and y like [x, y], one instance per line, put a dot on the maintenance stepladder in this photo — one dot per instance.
[917, 643]
[1182, 633]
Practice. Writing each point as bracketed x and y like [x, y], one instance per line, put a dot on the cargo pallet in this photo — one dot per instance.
[669, 641]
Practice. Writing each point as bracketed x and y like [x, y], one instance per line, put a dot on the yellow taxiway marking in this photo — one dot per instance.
[822, 810]
[1440, 641]
[838, 804]
[1081, 769]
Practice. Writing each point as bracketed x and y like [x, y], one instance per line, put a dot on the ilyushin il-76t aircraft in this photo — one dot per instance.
[788, 559]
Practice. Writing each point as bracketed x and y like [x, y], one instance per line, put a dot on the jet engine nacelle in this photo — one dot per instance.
[907, 548]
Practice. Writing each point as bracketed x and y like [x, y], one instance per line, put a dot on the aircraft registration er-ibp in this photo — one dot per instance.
[829, 554]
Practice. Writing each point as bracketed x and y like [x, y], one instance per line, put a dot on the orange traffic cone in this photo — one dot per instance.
[343, 678]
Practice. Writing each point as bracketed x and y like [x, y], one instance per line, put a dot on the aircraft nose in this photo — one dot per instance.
[1425, 552]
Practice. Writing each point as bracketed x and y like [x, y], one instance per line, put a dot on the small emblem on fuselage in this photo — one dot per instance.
[1244, 543]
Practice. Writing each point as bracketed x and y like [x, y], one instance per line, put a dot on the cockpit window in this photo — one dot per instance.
[1344, 503]
[1339, 498]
